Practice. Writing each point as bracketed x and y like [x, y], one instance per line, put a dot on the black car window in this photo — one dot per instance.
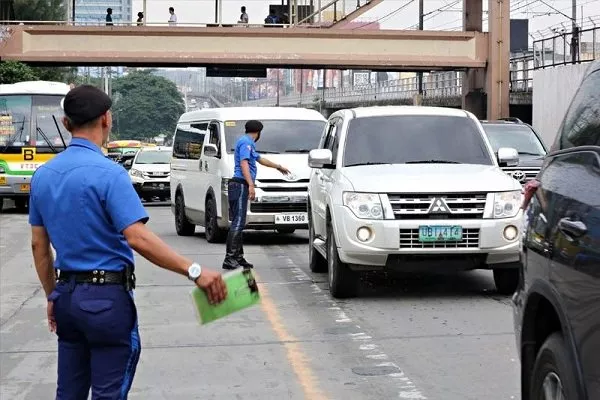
[581, 125]
[415, 139]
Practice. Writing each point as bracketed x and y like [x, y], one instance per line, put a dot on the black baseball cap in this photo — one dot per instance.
[253, 126]
[85, 103]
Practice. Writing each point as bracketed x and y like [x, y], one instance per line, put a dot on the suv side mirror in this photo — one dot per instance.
[319, 158]
[210, 150]
[127, 164]
[508, 156]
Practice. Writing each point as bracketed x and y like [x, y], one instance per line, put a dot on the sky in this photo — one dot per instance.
[543, 15]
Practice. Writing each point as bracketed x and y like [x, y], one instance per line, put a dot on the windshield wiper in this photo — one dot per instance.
[59, 132]
[13, 139]
[41, 132]
[527, 153]
[432, 162]
[367, 163]
[268, 152]
[298, 151]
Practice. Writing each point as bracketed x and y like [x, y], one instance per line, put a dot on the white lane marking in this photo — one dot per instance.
[406, 388]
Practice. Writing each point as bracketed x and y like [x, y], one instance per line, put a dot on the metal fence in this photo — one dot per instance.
[567, 47]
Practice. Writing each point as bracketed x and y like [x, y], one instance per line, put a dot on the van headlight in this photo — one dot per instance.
[136, 172]
[506, 204]
[364, 205]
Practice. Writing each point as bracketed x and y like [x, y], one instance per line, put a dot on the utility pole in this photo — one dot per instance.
[574, 33]
[420, 74]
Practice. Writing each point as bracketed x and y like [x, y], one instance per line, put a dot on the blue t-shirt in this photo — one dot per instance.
[245, 149]
[85, 201]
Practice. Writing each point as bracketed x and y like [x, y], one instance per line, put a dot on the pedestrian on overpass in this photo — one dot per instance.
[84, 205]
[243, 16]
[240, 189]
[109, 21]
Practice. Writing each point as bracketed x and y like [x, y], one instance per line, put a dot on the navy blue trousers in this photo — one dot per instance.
[237, 194]
[98, 340]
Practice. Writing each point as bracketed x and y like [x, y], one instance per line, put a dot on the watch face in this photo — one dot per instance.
[194, 271]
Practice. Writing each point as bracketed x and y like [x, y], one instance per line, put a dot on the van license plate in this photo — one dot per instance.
[291, 218]
[436, 233]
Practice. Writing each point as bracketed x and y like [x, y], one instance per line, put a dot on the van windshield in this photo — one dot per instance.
[279, 136]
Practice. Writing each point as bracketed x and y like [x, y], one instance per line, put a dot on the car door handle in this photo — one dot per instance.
[574, 229]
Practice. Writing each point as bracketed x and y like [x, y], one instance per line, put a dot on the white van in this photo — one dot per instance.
[202, 165]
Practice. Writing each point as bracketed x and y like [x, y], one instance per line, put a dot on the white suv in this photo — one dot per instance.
[410, 189]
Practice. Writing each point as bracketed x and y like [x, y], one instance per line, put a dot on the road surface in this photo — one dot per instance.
[446, 337]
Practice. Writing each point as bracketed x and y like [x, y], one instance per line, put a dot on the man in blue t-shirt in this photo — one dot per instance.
[241, 188]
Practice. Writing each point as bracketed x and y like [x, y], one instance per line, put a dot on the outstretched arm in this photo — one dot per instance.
[271, 164]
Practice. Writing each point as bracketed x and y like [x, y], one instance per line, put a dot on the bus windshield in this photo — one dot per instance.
[29, 120]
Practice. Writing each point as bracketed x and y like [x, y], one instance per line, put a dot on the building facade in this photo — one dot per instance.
[94, 11]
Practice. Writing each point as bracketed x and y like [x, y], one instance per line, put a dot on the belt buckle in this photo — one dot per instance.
[95, 279]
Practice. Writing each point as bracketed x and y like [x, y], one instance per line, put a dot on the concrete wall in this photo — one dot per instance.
[554, 90]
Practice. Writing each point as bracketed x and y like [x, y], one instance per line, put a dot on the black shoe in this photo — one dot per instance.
[231, 265]
[245, 263]
[233, 251]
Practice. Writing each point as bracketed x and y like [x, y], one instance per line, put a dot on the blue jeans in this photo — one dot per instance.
[98, 340]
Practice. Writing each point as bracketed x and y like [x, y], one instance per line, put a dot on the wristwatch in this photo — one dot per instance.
[194, 272]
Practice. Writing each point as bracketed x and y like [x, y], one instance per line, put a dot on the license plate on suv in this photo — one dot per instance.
[437, 233]
[291, 218]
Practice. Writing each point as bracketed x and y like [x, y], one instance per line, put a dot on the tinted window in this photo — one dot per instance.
[519, 137]
[414, 138]
[581, 126]
[279, 136]
[153, 157]
[188, 142]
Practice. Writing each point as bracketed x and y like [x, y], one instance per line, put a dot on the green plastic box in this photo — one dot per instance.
[242, 292]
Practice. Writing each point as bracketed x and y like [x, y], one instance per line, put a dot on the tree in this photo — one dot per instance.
[46, 10]
[13, 72]
[145, 105]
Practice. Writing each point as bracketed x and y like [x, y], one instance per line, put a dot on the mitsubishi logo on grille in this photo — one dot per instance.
[519, 175]
[438, 206]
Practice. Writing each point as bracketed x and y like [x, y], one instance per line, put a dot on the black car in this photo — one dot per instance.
[513, 133]
[557, 303]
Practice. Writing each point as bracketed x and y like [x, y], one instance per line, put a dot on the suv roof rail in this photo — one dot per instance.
[511, 119]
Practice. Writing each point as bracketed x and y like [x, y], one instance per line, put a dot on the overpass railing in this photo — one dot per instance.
[439, 85]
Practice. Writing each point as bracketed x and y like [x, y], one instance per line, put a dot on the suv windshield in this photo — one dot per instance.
[404, 139]
[279, 136]
[153, 157]
[519, 137]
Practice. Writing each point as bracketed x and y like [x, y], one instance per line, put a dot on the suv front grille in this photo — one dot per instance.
[523, 175]
[278, 207]
[417, 206]
[409, 239]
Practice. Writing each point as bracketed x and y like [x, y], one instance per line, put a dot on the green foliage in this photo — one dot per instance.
[13, 72]
[145, 106]
[40, 10]
[46, 10]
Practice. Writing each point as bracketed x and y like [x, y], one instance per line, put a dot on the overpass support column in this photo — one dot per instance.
[498, 68]
[473, 79]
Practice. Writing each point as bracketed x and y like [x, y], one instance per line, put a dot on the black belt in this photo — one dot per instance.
[239, 180]
[100, 277]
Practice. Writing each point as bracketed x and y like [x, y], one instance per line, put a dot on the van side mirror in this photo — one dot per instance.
[319, 158]
[127, 164]
[507, 156]
[210, 150]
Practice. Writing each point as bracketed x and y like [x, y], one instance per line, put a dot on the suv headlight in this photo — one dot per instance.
[506, 204]
[364, 205]
[135, 172]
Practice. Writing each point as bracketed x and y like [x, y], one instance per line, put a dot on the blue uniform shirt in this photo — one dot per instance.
[245, 149]
[85, 201]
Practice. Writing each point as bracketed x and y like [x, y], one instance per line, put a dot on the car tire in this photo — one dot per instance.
[213, 233]
[316, 262]
[553, 370]
[343, 282]
[285, 231]
[506, 280]
[21, 204]
[182, 225]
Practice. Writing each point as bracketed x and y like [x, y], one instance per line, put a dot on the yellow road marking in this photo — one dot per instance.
[298, 360]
